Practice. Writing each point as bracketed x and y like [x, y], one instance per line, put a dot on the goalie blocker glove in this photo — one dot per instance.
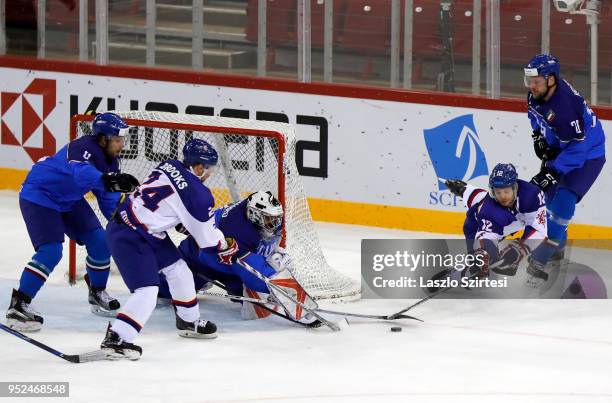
[228, 251]
[546, 178]
[119, 182]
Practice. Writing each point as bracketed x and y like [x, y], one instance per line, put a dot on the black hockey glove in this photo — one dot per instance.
[542, 149]
[180, 228]
[456, 186]
[119, 182]
[546, 178]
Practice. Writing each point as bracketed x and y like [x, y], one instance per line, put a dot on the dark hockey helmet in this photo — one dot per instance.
[198, 151]
[503, 176]
[109, 124]
[543, 66]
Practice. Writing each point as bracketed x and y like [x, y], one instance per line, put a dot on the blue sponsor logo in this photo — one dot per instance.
[455, 151]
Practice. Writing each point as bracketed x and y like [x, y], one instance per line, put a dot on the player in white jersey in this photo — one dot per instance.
[510, 205]
[173, 194]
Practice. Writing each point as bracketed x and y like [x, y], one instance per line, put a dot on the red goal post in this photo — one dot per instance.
[253, 155]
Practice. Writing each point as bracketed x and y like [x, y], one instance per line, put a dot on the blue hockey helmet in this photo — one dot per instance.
[544, 66]
[198, 151]
[503, 176]
[109, 124]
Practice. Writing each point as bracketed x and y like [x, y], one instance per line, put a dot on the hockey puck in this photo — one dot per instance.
[396, 329]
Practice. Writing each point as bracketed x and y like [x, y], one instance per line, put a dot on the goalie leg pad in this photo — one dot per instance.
[289, 284]
[182, 289]
[135, 313]
[251, 311]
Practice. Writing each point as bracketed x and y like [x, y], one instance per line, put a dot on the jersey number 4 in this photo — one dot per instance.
[152, 196]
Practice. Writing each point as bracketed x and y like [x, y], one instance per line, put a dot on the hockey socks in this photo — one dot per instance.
[37, 271]
[182, 290]
[135, 313]
[98, 257]
[98, 272]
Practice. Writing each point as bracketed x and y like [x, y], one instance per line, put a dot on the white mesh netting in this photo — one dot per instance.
[248, 162]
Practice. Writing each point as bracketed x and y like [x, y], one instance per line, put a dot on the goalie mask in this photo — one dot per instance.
[265, 212]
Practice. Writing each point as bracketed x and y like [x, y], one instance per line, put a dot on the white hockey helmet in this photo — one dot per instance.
[265, 212]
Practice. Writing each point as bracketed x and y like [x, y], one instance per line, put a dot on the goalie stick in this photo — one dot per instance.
[261, 301]
[281, 291]
[96, 355]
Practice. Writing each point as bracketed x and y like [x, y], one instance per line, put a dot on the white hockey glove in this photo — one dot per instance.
[280, 261]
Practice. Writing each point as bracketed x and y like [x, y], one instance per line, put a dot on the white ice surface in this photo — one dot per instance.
[466, 351]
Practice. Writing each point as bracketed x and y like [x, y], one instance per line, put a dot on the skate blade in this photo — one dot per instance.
[194, 335]
[23, 326]
[98, 310]
[113, 355]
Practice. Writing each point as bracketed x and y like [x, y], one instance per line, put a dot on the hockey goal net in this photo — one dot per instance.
[253, 155]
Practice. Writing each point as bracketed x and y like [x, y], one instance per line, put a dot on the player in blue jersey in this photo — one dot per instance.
[174, 194]
[52, 204]
[509, 206]
[569, 139]
[256, 223]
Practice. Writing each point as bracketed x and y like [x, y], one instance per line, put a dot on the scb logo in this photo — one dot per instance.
[456, 153]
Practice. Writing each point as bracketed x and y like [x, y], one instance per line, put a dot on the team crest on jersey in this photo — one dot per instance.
[455, 150]
[550, 116]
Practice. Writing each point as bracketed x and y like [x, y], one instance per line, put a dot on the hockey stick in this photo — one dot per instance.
[435, 294]
[260, 303]
[280, 290]
[76, 358]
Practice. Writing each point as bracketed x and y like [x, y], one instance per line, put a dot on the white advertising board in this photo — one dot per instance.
[359, 150]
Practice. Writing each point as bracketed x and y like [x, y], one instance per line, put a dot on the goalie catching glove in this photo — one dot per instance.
[227, 251]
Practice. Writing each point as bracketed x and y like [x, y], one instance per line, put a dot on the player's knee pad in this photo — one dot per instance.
[560, 212]
[97, 247]
[49, 255]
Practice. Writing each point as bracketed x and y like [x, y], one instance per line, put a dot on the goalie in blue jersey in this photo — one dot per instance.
[569, 139]
[256, 224]
[52, 204]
